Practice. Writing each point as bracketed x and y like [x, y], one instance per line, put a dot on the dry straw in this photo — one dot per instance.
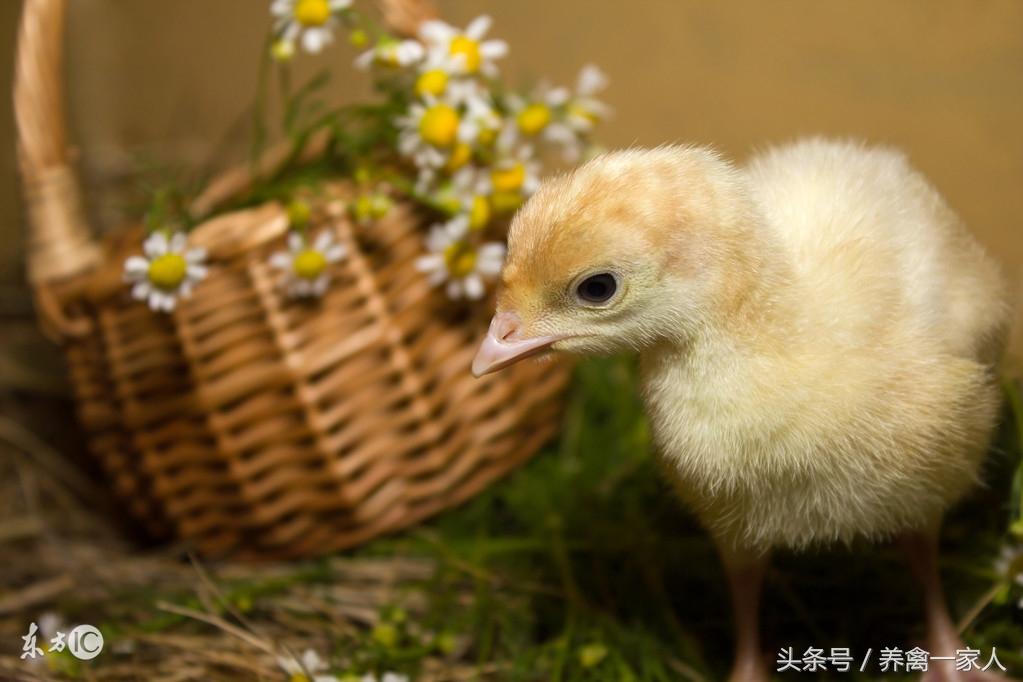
[246, 423]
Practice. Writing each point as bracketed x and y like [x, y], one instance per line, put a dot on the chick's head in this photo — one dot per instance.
[632, 248]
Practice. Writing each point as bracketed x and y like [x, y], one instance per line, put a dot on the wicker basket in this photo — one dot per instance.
[246, 423]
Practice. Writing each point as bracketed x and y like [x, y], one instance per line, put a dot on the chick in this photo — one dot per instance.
[817, 336]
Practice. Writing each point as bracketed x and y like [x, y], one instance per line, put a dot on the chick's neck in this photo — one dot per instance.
[752, 307]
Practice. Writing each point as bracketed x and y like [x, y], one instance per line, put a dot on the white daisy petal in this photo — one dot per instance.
[559, 133]
[281, 260]
[195, 255]
[291, 32]
[478, 27]
[365, 60]
[141, 291]
[177, 242]
[435, 31]
[196, 271]
[334, 253]
[474, 288]
[136, 265]
[493, 49]
[322, 241]
[295, 242]
[456, 228]
[430, 263]
[311, 660]
[591, 80]
[289, 665]
[155, 245]
[556, 97]
[490, 259]
[409, 52]
[314, 39]
[454, 289]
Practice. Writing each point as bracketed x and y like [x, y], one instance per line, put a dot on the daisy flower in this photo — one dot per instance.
[393, 53]
[473, 188]
[282, 50]
[311, 664]
[433, 132]
[513, 178]
[371, 207]
[454, 260]
[167, 270]
[537, 117]
[310, 21]
[584, 110]
[305, 266]
[481, 118]
[463, 52]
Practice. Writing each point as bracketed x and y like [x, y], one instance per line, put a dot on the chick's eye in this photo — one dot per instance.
[597, 288]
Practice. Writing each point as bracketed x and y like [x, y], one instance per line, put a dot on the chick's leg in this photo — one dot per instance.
[745, 573]
[921, 549]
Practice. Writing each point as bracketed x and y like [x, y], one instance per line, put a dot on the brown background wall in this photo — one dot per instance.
[168, 83]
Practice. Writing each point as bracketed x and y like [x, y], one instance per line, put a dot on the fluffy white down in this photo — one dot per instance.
[864, 401]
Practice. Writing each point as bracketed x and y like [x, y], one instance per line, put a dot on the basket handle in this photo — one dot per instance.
[59, 243]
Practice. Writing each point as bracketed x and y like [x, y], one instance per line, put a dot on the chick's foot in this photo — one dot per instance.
[749, 669]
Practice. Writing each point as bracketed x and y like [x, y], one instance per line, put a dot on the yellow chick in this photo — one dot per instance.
[817, 335]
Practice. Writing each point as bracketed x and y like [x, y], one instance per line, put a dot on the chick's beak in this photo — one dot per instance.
[502, 345]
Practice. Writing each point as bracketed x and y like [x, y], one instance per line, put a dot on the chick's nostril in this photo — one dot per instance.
[506, 325]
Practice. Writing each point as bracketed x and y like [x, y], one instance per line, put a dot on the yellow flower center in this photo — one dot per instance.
[432, 82]
[534, 118]
[312, 12]
[363, 209]
[469, 50]
[508, 179]
[460, 155]
[487, 136]
[167, 271]
[579, 111]
[386, 634]
[309, 264]
[358, 38]
[448, 202]
[299, 213]
[460, 259]
[386, 53]
[282, 50]
[479, 213]
[298, 677]
[506, 202]
[439, 125]
[380, 205]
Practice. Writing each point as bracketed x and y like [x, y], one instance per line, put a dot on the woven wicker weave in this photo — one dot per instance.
[247, 423]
